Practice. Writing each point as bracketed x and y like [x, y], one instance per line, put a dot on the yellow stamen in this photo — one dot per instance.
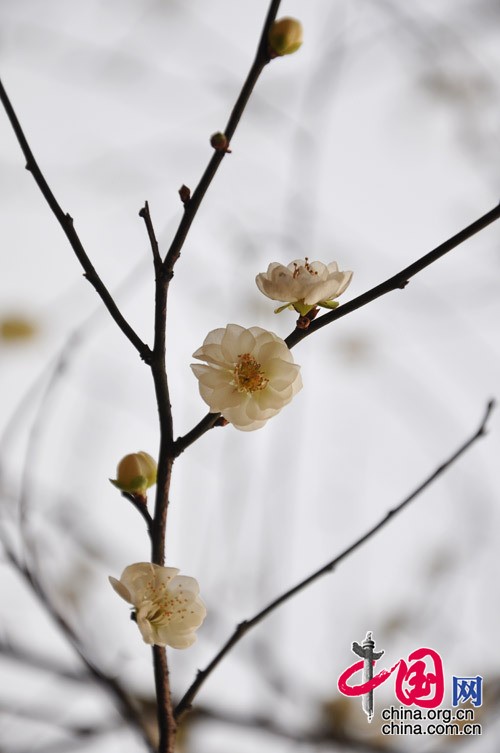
[248, 376]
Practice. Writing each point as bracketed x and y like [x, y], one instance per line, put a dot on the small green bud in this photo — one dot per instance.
[135, 473]
[285, 36]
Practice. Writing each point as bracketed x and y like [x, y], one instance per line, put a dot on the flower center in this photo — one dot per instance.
[161, 604]
[306, 266]
[248, 376]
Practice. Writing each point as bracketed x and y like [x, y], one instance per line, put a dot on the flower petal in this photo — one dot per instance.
[184, 585]
[138, 578]
[167, 637]
[120, 589]
[281, 374]
[229, 342]
[211, 354]
[210, 376]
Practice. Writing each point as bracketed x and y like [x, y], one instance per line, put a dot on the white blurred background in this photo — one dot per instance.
[373, 144]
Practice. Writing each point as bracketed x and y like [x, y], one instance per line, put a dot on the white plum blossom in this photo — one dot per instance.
[168, 608]
[303, 284]
[249, 375]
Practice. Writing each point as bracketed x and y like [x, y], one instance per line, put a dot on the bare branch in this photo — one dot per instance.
[206, 423]
[66, 223]
[398, 281]
[243, 628]
[191, 206]
[146, 216]
[140, 505]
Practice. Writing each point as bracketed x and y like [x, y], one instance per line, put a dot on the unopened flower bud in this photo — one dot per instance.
[219, 142]
[285, 36]
[135, 473]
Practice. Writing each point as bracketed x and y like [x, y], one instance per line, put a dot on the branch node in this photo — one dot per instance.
[147, 355]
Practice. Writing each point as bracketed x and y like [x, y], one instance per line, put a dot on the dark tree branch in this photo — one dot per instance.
[146, 216]
[66, 223]
[398, 281]
[243, 628]
[167, 450]
[191, 206]
[167, 725]
[206, 423]
[141, 506]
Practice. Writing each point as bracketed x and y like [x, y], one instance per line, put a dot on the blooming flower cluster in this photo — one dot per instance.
[167, 606]
[303, 284]
[249, 375]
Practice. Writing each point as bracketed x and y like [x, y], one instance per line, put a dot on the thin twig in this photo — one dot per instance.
[206, 423]
[398, 281]
[146, 216]
[243, 628]
[141, 506]
[191, 206]
[67, 225]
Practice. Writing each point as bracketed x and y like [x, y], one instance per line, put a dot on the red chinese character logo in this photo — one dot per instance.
[415, 684]
[419, 682]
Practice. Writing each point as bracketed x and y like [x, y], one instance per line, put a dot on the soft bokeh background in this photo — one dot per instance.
[373, 144]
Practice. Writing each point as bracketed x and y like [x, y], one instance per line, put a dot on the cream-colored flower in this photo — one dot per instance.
[135, 473]
[303, 284]
[168, 608]
[250, 375]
